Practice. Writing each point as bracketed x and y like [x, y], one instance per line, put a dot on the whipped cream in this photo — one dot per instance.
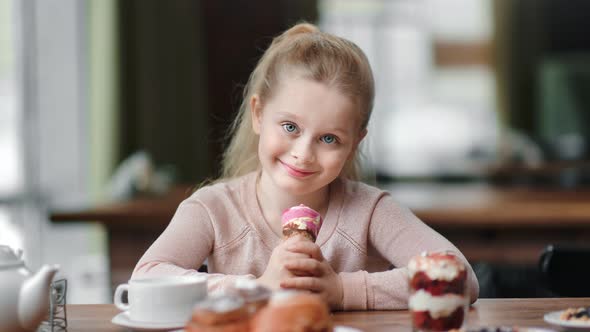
[436, 266]
[437, 306]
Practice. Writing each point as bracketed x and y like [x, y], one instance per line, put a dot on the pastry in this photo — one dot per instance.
[221, 313]
[301, 220]
[438, 296]
[290, 311]
[576, 314]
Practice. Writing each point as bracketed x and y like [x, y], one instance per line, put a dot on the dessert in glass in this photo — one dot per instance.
[438, 291]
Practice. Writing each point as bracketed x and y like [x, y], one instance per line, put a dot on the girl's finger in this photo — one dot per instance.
[295, 239]
[309, 265]
[308, 248]
[303, 283]
[290, 255]
[300, 273]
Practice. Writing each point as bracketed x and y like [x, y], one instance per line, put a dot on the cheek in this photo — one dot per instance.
[271, 143]
[335, 159]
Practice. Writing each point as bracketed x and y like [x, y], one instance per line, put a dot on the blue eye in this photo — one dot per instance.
[328, 139]
[289, 127]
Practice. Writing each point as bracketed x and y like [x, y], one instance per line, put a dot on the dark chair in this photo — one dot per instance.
[566, 270]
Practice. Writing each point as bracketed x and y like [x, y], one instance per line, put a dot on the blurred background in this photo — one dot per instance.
[112, 111]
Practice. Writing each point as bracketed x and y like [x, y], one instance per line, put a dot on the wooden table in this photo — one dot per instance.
[505, 225]
[485, 312]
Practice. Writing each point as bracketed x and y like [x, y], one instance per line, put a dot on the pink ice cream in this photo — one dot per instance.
[302, 220]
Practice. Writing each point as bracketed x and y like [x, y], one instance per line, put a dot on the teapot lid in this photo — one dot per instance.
[8, 257]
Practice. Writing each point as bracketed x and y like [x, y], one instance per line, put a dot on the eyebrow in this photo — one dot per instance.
[340, 132]
[282, 113]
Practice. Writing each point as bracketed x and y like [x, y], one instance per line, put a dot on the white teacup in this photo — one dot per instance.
[168, 299]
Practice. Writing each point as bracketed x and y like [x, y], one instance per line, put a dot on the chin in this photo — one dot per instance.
[295, 186]
[295, 189]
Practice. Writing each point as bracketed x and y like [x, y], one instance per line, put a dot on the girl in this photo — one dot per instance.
[305, 110]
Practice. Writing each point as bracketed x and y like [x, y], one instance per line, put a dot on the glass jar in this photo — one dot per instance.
[438, 291]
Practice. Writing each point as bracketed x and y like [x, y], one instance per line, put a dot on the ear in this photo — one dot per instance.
[256, 113]
[361, 136]
[356, 144]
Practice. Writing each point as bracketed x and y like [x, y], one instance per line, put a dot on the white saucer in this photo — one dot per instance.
[123, 319]
[553, 318]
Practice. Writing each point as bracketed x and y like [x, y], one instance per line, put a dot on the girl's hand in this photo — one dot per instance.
[320, 279]
[276, 270]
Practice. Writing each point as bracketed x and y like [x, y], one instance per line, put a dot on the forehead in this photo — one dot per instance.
[315, 102]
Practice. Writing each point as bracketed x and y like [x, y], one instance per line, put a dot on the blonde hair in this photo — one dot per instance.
[315, 55]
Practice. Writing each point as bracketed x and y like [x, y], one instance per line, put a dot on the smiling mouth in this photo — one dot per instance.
[294, 171]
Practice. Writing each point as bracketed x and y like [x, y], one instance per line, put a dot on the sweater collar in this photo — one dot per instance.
[269, 238]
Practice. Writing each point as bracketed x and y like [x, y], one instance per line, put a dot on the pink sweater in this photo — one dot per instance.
[366, 236]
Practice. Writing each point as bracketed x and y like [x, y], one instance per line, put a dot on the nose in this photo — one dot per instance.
[302, 151]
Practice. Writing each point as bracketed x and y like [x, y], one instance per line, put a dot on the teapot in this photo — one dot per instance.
[24, 297]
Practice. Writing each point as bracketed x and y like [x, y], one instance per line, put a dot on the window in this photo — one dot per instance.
[44, 143]
[11, 177]
[435, 105]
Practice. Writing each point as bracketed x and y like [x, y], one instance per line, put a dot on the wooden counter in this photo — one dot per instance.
[500, 224]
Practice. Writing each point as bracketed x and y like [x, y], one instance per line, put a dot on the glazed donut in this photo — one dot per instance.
[293, 312]
[222, 313]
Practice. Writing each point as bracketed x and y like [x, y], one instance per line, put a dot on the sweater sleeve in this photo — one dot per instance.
[398, 235]
[183, 247]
